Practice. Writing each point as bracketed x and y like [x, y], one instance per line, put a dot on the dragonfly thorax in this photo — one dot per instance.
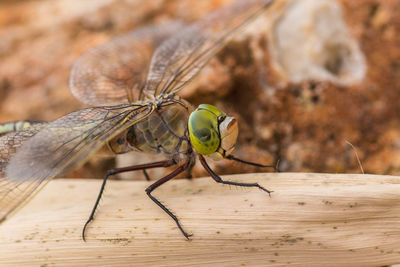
[211, 132]
[164, 131]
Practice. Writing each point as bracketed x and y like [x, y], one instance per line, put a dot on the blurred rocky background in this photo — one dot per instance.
[305, 81]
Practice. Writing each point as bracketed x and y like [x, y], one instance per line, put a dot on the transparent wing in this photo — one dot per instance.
[70, 140]
[114, 73]
[14, 193]
[179, 59]
[13, 140]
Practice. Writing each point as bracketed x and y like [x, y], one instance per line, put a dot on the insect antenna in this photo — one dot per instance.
[275, 167]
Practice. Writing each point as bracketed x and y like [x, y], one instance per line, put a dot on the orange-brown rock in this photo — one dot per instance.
[305, 125]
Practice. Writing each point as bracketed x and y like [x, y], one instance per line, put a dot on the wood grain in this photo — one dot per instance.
[310, 220]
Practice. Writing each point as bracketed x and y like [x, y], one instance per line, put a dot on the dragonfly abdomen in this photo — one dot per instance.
[15, 126]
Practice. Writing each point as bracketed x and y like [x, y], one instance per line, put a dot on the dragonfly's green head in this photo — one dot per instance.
[211, 132]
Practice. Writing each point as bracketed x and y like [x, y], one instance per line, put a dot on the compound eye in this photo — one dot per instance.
[203, 134]
[205, 140]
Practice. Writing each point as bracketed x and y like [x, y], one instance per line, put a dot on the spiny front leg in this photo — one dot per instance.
[219, 179]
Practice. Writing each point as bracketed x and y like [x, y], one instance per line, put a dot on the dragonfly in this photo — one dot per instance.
[131, 84]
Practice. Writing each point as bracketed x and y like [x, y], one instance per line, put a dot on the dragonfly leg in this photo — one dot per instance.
[219, 179]
[146, 175]
[165, 163]
[189, 170]
[275, 167]
[165, 209]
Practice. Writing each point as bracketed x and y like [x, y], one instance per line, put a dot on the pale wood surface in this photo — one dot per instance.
[310, 220]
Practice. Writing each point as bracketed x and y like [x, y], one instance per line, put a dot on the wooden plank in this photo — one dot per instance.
[311, 219]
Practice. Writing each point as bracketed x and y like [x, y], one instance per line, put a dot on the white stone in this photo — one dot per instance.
[310, 40]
